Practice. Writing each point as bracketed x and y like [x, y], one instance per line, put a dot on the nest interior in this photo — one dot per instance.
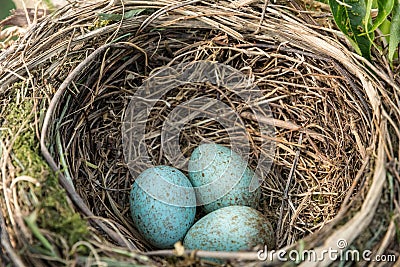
[326, 122]
[305, 100]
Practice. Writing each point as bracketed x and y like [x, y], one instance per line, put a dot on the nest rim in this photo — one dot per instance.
[372, 92]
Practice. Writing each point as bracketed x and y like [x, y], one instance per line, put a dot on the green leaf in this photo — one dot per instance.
[117, 17]
[112, 17]
[385, 28]
[339, 15]
[384, 9]
[367, 19]
[394, 30]
[359, 22]
[353, 20]
[132, 13]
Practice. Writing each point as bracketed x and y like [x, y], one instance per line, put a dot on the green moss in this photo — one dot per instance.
[52, 208]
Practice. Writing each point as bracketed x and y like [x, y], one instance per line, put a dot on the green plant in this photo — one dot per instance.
[354, 19]
[6, 6]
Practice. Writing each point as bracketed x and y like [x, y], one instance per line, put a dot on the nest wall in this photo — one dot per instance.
[334, 115]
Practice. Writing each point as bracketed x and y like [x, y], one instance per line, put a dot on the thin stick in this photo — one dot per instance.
[266, 2]
[243, 255]
[286, 191]
[360, 173]
[281, 124]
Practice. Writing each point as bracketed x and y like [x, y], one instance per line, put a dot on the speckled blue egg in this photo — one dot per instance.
[163, 205]
[231, 228]
[222, 178]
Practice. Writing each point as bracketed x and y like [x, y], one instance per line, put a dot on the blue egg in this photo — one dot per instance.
[163, 205]
[222, 178]
[231, 228]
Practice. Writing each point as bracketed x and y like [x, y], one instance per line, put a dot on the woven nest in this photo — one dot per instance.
[67, 83]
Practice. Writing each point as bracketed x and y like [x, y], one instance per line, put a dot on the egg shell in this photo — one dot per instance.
[163, 205]
[222, 178]
[231, 228]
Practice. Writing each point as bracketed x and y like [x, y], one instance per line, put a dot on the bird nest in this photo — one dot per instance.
[66, 88]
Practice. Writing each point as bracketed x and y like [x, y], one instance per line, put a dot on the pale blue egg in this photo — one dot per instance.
[231, 228]
[222, 178]
[163, 205]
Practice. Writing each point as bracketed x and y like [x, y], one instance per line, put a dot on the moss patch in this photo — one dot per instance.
[48, 200]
